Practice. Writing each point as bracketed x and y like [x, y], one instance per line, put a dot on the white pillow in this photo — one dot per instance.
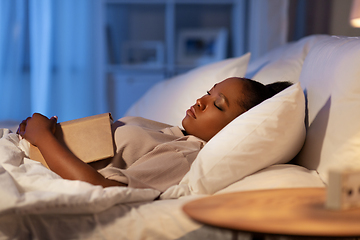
[168, 100]
[283, 63]
[331, 79]
[272, 132]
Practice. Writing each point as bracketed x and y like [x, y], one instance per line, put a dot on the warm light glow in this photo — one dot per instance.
[355, 14]
[355, 22]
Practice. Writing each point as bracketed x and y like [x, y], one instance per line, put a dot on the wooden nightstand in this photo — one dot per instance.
[296, 212]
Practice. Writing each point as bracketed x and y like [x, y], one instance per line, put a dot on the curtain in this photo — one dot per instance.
[50, 58]
[260, 26]
[14, 72]
[307, 17]
[268, 25]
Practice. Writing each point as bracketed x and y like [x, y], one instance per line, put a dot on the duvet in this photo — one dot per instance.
[27, 187]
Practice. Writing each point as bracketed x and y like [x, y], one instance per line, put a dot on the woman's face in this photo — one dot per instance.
[214, 110]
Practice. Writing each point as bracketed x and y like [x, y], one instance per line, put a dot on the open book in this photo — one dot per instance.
[90, 138]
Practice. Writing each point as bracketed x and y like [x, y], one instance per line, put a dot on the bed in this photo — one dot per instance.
[288, 141]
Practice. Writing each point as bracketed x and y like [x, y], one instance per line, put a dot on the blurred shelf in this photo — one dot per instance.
[161, 22]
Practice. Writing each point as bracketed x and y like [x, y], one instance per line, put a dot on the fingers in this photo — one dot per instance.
[22, 127]
[54, 118]
[51, 123]
[54, 121]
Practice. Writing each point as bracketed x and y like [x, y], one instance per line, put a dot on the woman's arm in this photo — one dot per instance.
[39, 131]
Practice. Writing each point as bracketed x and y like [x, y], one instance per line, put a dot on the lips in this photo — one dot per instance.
[191, 112]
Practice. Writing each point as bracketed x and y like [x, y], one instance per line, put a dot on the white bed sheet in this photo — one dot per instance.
[158, 220]
[29, 187]
[36, 203]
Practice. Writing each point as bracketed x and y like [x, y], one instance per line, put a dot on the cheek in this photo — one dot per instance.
[212, 125]
[215, 121]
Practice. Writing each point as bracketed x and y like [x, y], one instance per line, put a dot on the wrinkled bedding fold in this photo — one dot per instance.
[27, 187]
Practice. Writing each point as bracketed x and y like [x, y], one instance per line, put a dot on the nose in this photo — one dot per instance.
[201, 103]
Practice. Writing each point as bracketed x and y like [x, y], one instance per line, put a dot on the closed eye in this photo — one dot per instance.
[217, 106]
[208, 92]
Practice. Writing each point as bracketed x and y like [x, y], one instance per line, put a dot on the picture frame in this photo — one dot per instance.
[142, 54]
[201, 46]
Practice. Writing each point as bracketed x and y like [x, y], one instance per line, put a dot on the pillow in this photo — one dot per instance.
[168, 100]
[331, 79]
[272, 132]
[283, 63]
[277, 176]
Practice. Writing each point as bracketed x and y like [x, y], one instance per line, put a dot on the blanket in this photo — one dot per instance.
[27, 187]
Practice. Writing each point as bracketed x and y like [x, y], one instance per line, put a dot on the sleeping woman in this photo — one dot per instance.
[150, 154]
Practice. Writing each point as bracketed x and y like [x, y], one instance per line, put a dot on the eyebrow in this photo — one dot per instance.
[223, 97]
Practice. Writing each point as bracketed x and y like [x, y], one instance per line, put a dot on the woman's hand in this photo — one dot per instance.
[36, 127]
[39, 131]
